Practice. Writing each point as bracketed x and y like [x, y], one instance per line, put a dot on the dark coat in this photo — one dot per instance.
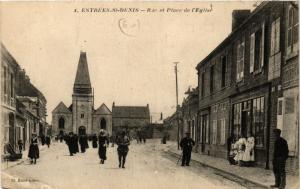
[34, 149]
[281, 149]
[123, 142]
[48, 140]
[94, 139]
[103, 142]
[187, 144]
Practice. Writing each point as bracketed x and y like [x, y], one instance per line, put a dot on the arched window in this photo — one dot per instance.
[61, 123]
[103, 123]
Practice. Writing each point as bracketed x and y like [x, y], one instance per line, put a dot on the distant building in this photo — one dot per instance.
[130, 117]
[81, 117]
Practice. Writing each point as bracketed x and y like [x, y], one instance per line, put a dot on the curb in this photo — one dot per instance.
[221, 170]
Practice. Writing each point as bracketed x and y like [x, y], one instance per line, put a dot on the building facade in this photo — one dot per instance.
[81, 117]
[130, 118]
[23, 106]
[246, 79]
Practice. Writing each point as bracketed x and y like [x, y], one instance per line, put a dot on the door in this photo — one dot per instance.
[203, 128]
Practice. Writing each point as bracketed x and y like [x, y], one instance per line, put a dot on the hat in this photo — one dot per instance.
[276, 130]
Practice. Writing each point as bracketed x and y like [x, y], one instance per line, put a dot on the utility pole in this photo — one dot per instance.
[177, 110]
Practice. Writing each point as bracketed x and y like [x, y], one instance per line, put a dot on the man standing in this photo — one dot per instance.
[280, 156]
[48, 140]
[122, 142]
[186, 145]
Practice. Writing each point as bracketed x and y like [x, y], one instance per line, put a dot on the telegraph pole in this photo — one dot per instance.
[177, 110]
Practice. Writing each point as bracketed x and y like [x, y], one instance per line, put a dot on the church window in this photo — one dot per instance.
[82, 116]
[61, 123]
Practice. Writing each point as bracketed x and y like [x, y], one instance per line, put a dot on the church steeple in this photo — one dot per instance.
[82, 84]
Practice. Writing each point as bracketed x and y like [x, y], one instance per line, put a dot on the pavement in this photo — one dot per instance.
[8, 164]
[257, 176]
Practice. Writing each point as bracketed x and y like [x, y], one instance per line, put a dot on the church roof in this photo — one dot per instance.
[103, 109]
[82, 82]
[131, 112]
[61, 108]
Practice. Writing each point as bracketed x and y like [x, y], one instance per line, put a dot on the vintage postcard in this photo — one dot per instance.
[149, 94]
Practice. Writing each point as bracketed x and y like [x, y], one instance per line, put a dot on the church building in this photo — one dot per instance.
[81, 117]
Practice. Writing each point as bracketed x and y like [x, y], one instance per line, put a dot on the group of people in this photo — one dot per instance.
[101, 142]
[241, 150]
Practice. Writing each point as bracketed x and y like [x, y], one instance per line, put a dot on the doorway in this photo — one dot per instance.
[103, 124]
[11, 121]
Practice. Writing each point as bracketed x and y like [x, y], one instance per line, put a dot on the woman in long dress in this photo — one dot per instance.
[103, 143]
[33, 152]
[248, 157]
[94, 139]
[241, 150]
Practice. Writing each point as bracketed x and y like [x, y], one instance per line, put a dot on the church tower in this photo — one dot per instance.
[82, 98]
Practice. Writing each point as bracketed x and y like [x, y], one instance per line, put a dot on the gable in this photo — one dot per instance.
[103, 109]
[61, 108]
[131, 112]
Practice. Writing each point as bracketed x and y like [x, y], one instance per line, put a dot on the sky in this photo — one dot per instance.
[130, 55]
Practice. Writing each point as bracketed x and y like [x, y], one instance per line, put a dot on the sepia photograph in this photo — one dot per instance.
[149, 94]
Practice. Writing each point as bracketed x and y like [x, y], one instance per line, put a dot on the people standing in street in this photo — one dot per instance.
[86, 141]
[103, 144]
[241, 150]
[33, 152]
[122, 142]
[82, 143]
[20, 145]
[248, 157]
[76, 147]
[70, 143]
[186, 145]
[48, 140]
[43, 139]
[94, 141]
[281, 152]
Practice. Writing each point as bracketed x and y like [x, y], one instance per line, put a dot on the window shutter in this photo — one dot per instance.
[242, 59]
[277, 37]
[252, 54]
[262, 44]
[272, 39]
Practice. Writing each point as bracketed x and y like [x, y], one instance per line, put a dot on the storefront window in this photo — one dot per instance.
[248, 119]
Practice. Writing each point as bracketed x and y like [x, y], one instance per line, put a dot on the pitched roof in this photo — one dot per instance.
[61, 108]
[82, 82]
[103, 109]
[131, 111]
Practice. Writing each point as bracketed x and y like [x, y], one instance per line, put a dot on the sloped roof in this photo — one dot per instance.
[131, 111]
[82, 82]
[61, 108]
[103, 109]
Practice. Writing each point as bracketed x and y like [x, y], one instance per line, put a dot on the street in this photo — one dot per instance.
[147, 166]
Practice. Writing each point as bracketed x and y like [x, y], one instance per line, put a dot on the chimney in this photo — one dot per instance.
[238, 17]
[161, 116]
[113, 104]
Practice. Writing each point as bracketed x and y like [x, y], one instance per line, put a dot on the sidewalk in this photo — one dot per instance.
[8, 164]
[255, 175]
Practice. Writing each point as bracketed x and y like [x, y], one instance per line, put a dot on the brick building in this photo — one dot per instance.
[240, 82]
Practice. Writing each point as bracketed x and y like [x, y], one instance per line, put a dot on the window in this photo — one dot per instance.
[257, 49]
[81, 116]
[222, 131]
[224, 70]
[237, 113]
[202, 85]
[212, 79]
[258, 121]
[275, 55]
[292, 39]
[207, 129]
[240, 53]
[215, 131]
